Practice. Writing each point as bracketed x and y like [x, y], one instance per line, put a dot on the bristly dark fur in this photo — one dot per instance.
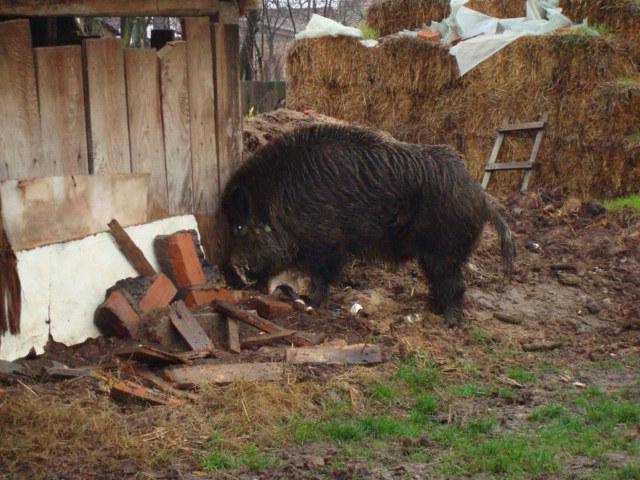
[318, 194]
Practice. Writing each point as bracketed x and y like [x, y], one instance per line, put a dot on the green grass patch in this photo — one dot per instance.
[368, 32]
[419, 375]
[632, 201]
[251, 458]
[419, 457]
[470, 390]
[521, 375]
[384, 392]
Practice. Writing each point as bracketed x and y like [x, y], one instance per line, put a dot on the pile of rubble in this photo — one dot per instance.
[181, 328]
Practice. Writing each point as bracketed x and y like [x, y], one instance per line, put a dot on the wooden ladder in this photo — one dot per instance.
[504, 128]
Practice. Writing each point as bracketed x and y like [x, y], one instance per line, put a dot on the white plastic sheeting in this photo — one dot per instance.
[483, 36]
[62, 284]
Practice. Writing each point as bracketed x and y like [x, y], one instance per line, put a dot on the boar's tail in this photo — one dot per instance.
[507, 242]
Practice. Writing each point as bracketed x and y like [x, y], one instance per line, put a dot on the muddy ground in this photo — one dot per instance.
[467, 402]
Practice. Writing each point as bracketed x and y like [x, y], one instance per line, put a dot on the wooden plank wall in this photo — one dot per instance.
[174, 113]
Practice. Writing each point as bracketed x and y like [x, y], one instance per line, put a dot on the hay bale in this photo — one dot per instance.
[391, 16]
[411, 88]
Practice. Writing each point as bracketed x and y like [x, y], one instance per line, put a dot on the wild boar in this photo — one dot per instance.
[319, 194]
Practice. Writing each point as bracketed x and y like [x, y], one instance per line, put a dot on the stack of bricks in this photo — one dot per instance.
[129, 300]
[181, 258]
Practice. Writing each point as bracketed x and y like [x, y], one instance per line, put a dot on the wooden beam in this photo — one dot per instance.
[130, 250]
[20, 139]
[509, 166]
[109, 8]
[62, 114]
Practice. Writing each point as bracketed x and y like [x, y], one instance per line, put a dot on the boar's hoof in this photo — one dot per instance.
[453, 316]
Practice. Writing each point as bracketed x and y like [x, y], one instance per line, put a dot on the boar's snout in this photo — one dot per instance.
[238, 273]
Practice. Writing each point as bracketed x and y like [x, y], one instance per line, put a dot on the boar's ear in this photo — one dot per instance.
[241, 203]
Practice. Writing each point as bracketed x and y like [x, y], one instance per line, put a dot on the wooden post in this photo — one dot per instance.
[21, 152]
[108, 128]
[175, 114]
[145, 124]
[62, 110]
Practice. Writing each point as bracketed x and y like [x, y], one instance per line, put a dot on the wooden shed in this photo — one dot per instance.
[99, 108]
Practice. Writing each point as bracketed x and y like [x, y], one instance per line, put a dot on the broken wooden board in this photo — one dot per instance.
[258, 322]
[126, 391]
[63, 284]
[151, 356]
[46, 210]
[68, 373]
[189, 328]
[266, 339]
[332, 354]
[186, 377]
[130, 250]
[164, 386]
[233, 335]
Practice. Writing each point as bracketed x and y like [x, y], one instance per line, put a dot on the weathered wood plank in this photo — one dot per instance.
[233, 335]
[20, 139]
[360, 353]
[108, 129]
[62, 110]
[204, 154]
[130, 250]
[145, 123]
[176, 118]
[224, 373]
[189, 328]
[108, 8]
[229, 120]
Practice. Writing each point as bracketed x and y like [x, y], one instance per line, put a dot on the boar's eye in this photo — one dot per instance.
[239, 229]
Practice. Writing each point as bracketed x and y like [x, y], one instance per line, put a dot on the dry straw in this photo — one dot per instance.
[589, 86]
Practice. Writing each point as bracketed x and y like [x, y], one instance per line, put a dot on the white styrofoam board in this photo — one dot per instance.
[64, 283]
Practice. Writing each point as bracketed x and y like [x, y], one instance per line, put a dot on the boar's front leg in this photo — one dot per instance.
[323, 271]
[446, 286]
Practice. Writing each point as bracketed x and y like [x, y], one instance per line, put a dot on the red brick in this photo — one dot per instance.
[430, 35]
[117, 317]
[196, 297]
[185, 262]
[270, 308]
[159, 294]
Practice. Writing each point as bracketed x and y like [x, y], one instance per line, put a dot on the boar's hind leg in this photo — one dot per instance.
[446, 287]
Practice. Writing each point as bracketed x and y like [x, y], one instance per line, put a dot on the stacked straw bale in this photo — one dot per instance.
[589, 86]
[391, 16]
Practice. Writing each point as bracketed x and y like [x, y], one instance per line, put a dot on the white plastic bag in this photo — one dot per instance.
[320, 26]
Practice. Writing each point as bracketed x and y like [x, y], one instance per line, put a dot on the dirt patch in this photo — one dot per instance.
[577, 285]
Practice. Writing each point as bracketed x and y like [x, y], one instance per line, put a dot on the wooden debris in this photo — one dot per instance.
[130, 250]
[260, 340]
[189, 328]
[540, 346]
[503, 317]
[511, 382]
[11, 369]
[233, 332]
[270, 308]
[126, 391]
[186, 377]
[164, 386]
[360, 353]
[69, 373]
[258, 322]
[152, 356]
